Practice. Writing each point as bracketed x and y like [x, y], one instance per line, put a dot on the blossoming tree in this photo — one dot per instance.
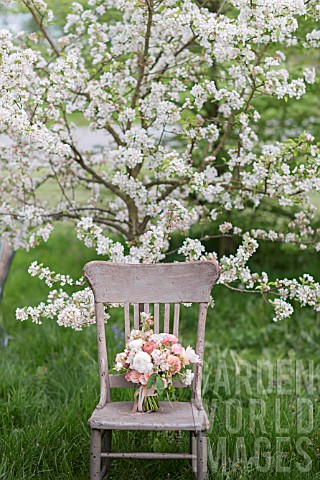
[176, 86]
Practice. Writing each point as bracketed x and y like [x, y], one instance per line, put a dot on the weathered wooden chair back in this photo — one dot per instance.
[145, 288]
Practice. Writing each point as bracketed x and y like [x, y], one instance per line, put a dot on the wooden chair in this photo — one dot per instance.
[141, 285]
[6, 257]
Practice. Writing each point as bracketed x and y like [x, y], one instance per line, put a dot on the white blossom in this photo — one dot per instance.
[185, 150]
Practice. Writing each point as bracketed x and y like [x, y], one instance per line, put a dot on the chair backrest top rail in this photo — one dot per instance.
[180, 282]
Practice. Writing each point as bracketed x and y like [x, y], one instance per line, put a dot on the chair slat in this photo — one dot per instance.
[156, 317]
[150, 455]
[136, 316]
[176, 319]
[102, 356]
[202, 314]
[146, 308]
[166, 325]
[127, 320]
[119, 381]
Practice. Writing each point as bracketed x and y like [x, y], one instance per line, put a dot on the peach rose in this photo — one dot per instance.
[169, 339]
[133, 376]
[149, 346]
[175, 363]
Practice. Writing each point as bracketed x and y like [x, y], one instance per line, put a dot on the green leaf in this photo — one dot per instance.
[151, 380]
[159, 385]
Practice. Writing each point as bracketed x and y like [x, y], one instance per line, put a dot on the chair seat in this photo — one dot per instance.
[174, 416]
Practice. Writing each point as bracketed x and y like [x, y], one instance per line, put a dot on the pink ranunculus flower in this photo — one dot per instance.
[175, 363]
[176, 348]
[149, 346]
[133, 376]
[169, 339]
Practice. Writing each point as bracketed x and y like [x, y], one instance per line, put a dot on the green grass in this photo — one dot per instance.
[49, 383]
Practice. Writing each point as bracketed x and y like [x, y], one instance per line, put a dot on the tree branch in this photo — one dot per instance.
[33, 12]
[142, 59]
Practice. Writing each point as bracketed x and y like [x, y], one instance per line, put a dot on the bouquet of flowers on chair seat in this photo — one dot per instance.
[154, 361]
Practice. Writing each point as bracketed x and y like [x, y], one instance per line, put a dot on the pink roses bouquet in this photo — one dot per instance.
[154, 361]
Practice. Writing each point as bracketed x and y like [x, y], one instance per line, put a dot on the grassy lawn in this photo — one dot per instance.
[49, 384]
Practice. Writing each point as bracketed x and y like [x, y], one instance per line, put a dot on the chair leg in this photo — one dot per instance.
[201, 456]
[193, 451]
[95, 454]
[106, 448]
